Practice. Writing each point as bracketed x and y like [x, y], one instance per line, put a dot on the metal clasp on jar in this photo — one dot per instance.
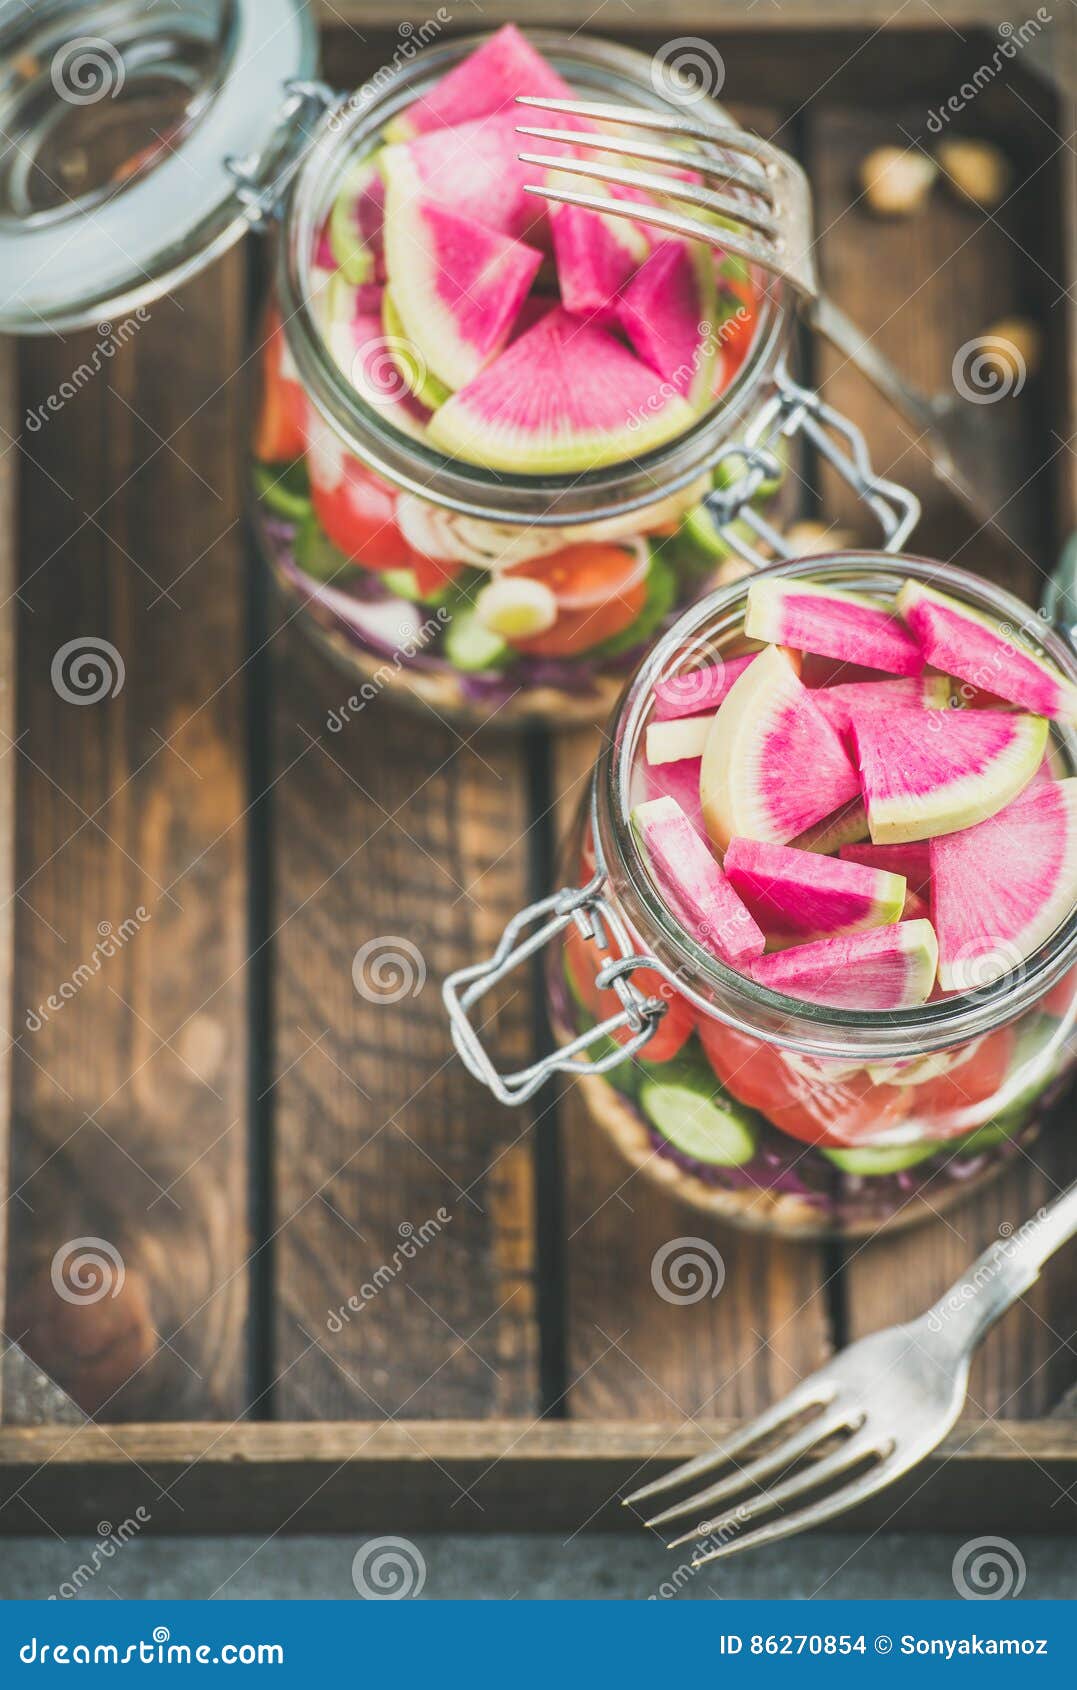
[597, 920]
[789, 411]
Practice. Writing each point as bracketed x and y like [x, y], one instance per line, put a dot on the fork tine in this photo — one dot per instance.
[754, 248]
[797, 1402]
[756, 182]
[857, 1450]
[764, 1467]
[641, 117]
[705, 198]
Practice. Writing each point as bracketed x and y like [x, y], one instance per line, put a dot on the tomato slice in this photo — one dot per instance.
[844, 1111]
[280, 434]
[359, 516]
[583, 961]
[735, 334]
[954, 1103]
[600, 590]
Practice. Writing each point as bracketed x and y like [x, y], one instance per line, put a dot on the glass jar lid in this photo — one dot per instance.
[135, 135]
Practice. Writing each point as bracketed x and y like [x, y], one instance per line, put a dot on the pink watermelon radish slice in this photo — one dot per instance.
[831, 624]
[884, 968]
[564, 398]
[595, 255]
[488, 80]
[356, 224]
[359, 347]
[772, 765]
[913, 861]
[984, 653]
[697, 689]
[426, 386]
[457, 285]
[472, 170]
[695, 887]
[843, 703]
[844, 827]
[924, 772]
[671, 742]
[679, 781]
[799, 895]
[1002, 887]
[667, 311]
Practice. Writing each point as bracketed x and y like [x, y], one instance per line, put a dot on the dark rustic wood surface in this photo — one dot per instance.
[257, 1132]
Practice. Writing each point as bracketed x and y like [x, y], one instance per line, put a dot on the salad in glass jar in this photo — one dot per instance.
[531, 395]
[819, 970]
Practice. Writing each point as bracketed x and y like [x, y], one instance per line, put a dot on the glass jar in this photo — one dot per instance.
[380, 542]
[835, 1123]
[382, 499]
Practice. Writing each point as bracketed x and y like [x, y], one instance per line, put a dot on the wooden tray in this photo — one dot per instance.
[252, 1135]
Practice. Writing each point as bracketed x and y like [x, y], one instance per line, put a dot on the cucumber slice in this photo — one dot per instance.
[661, 597]
[285, 492]
[470, 647]
[316, 554]
[403, 585]
[701, 529]
[349, 249]
[684, 1102]
[882, 1159]
[994, 1132]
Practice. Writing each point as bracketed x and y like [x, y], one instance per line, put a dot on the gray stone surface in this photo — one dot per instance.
[619, 1567]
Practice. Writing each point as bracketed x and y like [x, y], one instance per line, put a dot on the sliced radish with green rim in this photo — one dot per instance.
[990, 654]
[772, 765]
[693, 884]
[1001, 888]
[883, 968]
[801, 895]
[830, 623]
[926, 772]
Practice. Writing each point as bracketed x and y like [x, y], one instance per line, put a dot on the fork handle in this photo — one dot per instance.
[1004, 1272]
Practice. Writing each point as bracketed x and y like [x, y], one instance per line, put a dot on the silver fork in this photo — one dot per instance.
[872, 1413]
[765, 196]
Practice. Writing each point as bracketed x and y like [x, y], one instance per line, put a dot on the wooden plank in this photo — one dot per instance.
[397, 835]
[545, 1477]
[130, 1139]
[8, 613]
[926, 286]
[708, 16]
